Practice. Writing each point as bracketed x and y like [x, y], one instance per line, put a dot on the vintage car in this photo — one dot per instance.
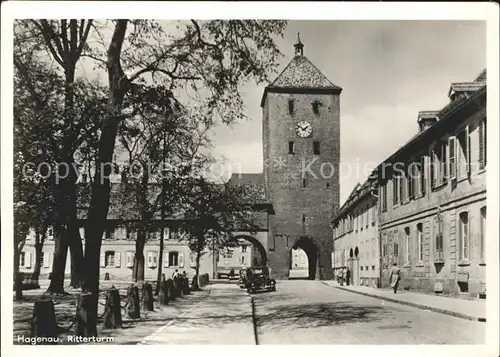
[259, 279]
[242, 282]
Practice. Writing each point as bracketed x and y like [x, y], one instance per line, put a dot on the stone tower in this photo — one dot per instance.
[301, 137]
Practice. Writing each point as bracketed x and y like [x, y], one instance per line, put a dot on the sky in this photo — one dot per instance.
[389, 71]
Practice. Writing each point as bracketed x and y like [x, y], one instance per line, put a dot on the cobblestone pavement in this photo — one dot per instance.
[223, 317]
[309, 312]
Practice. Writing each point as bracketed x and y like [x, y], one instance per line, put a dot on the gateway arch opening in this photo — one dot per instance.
[248, 252]
[303, 259]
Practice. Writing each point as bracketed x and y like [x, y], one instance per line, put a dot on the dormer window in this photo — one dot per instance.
[290, 106]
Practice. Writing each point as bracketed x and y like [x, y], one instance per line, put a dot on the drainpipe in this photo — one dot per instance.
[380, 276]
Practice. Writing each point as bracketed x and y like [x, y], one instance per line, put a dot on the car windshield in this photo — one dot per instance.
[258, 271]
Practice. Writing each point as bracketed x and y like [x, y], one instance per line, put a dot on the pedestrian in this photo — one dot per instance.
[342, 276]
[347, 276]
[395, 277]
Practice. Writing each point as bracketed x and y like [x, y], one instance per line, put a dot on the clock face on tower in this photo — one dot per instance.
[303, 129]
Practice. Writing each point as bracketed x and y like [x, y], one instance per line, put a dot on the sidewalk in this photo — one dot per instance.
[224, 317]
[468, 309]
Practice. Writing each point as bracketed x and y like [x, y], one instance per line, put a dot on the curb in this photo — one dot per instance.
[419, 306]
[254, 320]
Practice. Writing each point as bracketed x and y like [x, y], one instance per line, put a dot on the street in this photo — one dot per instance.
[310, 312]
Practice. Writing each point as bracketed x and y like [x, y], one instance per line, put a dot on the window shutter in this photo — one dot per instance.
[165, 259]
[27, 260]
[444, 163]
[481, 143]
[181, 260]
[154, 263]
[452, 149]
[46, 260]
[130, 259]
[103, 259]
[118, 258]
[467, 150]
[423, 177]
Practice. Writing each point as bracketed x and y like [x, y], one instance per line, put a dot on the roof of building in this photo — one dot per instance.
[444, 116]
[359, 192]
[302, 73]
[247, 179]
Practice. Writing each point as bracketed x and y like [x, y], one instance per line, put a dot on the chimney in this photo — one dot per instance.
[426, 119]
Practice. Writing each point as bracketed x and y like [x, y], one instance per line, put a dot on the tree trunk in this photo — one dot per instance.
[75, 240]
[59, 264]
[196, 285]
[38, 255]
[138, 272]
[18, 281]
[99, 203]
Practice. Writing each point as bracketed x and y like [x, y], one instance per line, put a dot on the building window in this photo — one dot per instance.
[395, 245]
[462, 153]
[290, 106]
[383, 203]
[243, 259]
[403, 186]
[423, 178]
[407, 245]
[315, 105]
[22, 259]
[304, 218]
[483, 233]
[243, 248]
[173, 259]
[291, 147]
[439, 239]
[109, 259]
[367, 215]
[464, 235]
[438, 165]
[395, 190]
[316, 147]
[129, 256]
[482, 143]
[420, 243]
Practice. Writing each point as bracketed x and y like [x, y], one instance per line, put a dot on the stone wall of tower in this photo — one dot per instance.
[284, 184]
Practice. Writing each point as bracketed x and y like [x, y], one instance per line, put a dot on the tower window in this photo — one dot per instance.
[290, 106]
[316, 147]
[291, 147]
[303, 218]
[315, 106]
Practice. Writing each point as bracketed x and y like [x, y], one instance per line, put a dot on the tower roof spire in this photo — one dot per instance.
[299, 46]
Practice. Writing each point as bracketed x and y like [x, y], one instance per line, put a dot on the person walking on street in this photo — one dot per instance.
[395, 277]
[347, 276]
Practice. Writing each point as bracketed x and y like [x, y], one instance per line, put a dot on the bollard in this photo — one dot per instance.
[112, 311]
[86, 316]
[147, 297]
[163, 293]
[43, 322]
[133, 306]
